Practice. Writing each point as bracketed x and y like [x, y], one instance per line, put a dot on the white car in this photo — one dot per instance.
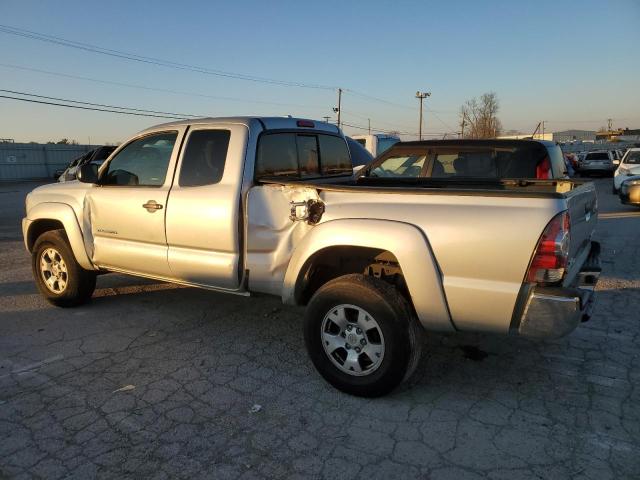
[629, 166]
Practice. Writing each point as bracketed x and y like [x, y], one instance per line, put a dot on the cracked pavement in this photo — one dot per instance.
[152, 380]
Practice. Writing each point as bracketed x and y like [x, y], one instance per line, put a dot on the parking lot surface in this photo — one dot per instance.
[154, 380]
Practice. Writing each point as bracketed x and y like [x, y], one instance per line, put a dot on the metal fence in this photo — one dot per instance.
[588, 146]
[34, 161]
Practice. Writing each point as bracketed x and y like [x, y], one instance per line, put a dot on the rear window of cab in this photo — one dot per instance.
[302, 155]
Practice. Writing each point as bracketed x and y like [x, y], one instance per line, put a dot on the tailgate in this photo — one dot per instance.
[582, 204]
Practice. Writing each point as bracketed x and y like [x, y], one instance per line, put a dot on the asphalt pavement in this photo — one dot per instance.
[151, 380]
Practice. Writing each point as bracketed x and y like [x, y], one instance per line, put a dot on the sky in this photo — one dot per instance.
[573, 64]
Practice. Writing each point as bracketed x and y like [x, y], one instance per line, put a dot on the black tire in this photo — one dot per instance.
[614, 191]
[80, 283]
[401, 332]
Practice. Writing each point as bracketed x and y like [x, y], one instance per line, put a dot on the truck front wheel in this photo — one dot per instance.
[362, 335]
[60, 279]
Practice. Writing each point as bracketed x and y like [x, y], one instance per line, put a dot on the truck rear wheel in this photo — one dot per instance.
[362, 335]
[60, 279]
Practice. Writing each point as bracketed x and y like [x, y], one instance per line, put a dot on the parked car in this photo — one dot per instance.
[270, 205]
[487, 159]
[598, 162]
[629, 167]
[360, 156]
[630, 191]
[96, 156]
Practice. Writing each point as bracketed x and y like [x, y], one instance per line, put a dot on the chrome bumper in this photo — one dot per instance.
[552, 312]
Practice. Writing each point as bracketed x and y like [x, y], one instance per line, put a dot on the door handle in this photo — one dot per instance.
[152, 206]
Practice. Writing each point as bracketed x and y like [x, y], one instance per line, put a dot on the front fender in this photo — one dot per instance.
[406, 242]
[64, 214]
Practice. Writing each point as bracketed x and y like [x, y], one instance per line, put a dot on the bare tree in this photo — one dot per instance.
[480, 117]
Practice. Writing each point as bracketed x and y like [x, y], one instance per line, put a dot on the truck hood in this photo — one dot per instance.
[69, 193]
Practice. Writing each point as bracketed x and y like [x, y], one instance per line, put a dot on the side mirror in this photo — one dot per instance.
[88, 173]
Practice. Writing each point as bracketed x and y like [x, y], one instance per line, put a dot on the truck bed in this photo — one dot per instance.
[482, 232]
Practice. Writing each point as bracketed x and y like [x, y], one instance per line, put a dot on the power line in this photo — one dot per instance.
[183, 66]
[181, 115]
[163, 90]
[179, 92]
[148, 113]
[31, 100]
[101, 107]
[368, 117]
[400, 132]
[21, 32]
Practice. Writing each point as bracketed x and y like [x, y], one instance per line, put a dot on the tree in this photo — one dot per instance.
[64, 141]
[480, 117]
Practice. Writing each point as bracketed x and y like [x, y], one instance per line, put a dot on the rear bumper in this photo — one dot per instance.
[552, 312]
[597, 168]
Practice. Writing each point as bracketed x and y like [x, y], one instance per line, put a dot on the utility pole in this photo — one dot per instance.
[339, 107]
[464, 117]
[369, 120]
[533, 136]
[542, 129]
[609, 123]
[421, 96]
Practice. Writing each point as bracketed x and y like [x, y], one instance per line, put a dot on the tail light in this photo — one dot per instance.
[549, 261]
[543, 170]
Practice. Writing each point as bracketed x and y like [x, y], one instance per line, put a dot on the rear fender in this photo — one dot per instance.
[406, 242]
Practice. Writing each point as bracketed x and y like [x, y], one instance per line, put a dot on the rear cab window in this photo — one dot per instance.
[204, 158]
[302, 155]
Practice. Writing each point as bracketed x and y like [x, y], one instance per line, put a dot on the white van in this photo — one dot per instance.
[376, 143]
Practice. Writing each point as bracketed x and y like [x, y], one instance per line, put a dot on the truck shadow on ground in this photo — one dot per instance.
[157, 324]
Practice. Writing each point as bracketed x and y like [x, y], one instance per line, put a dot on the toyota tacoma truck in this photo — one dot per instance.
[249, 205]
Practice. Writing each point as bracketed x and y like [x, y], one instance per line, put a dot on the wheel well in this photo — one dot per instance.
[333, 262]
[39, 227]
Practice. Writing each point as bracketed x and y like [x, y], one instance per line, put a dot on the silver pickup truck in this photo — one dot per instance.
[270, 205]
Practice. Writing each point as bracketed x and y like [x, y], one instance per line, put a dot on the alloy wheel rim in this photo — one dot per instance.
[353, 340]
[53, 270]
